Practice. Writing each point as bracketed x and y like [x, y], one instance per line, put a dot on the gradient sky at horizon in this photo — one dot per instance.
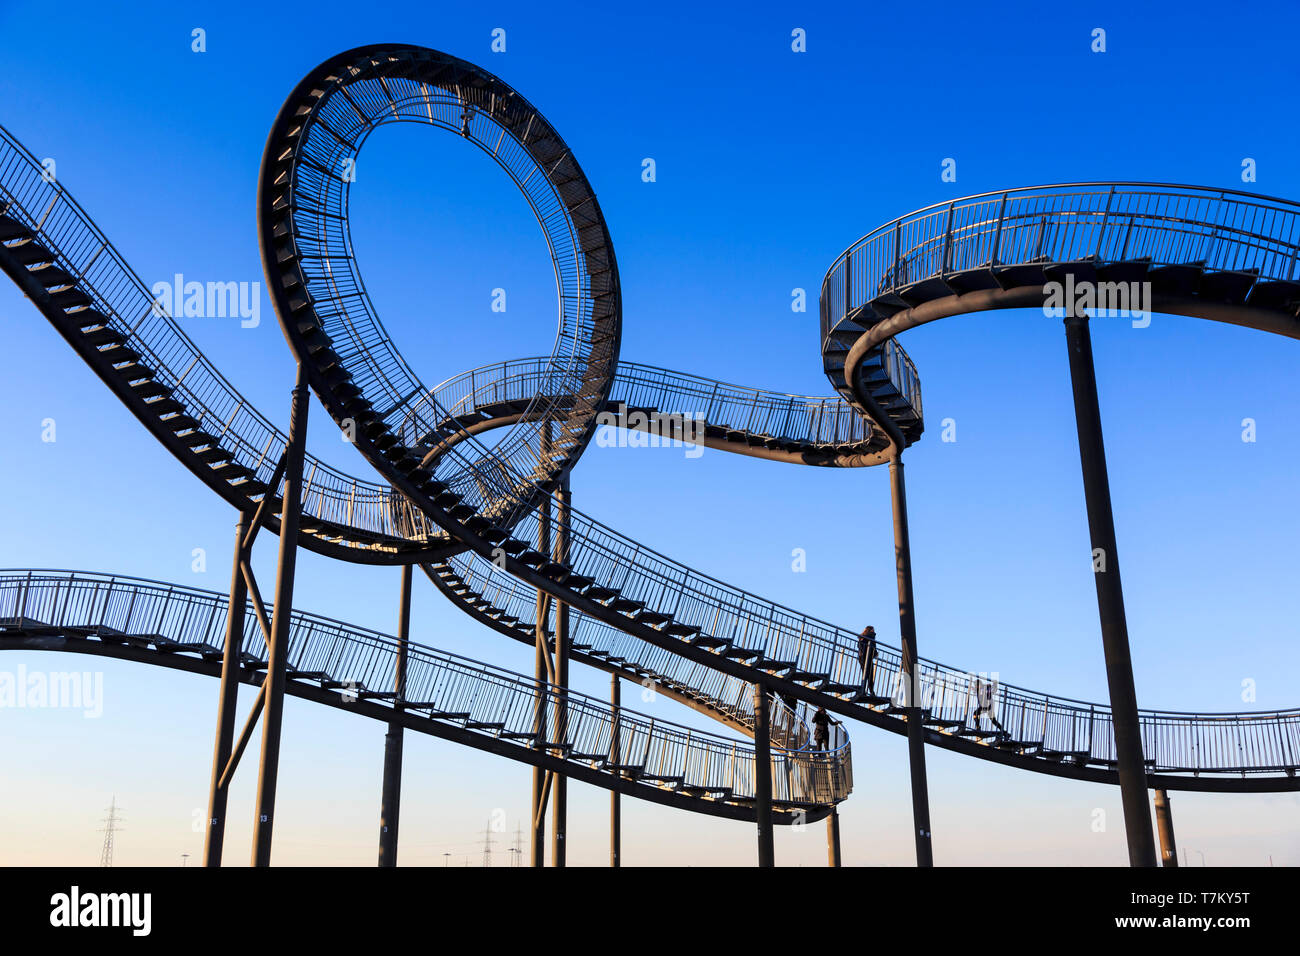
[769, 163]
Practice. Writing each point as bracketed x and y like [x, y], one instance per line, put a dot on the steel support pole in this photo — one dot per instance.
[615, 757]
[1110, 596]
[763, 776]
[833, 837]
[560, 785]
[227, 703]
[390, 807]
[278, 653]
[538, 842]
[911, 691]
[1165, 825]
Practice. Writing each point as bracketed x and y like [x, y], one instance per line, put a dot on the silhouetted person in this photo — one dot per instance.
[822, 729]
[984, 704]
[867, 658]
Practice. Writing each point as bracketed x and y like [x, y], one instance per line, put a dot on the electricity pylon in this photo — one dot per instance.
[108, 829]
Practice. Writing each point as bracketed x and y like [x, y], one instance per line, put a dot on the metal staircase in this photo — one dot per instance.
[486, 706]
[459, 502]
[1218, 253]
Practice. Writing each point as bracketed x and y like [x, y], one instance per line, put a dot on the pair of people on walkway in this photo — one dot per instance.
[867, 661]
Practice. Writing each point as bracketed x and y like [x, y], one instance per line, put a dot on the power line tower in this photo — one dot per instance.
[108, 829]
[487, 844]
[517, 851]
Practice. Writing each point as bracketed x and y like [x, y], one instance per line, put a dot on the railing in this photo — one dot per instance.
[1048, 725]
[726, 694]
[82, 250]
[1102, 222]
[443, 686]
[415, 86]
[827, 421]
[717, 609]
[902, 375]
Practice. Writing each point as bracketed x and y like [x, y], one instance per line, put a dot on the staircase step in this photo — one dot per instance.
[553, 570]
[709, 641]
[1176, 279]
[12, 229]
[214, 454]
[1276, 294]
[30, 253]
[147, 388]
[52, 276]
[432, 711]
[104, 336]
[982, 733]
[1229, 286]
[70, 299]
[942, 722]
[625, 769]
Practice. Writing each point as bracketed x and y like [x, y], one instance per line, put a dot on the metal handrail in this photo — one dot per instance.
[1103, 210]
[1104, 222]
[442, 685]
[821, 420]
[1060, 725]
[597, 551]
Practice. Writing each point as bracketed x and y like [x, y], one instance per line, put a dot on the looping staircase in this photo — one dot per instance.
[458, 507]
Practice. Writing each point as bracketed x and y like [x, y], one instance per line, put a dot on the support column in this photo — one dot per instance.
[1110, 596]
[763, 776]
[1165, 825]
[560, 784]
[391, 800]
[907, 631]
[616, 758]
[277, 654]
[833, 837]
[541, 670]
[227, 702]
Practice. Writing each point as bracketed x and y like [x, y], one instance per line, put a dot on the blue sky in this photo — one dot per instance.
[768, 164]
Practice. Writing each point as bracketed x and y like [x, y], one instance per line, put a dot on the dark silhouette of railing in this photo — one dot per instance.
[359, 664]
[1048, 727]
[658, 600]
[1098, 223]
[470, 396]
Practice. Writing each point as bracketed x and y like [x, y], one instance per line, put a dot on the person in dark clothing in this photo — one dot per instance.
[984, 704]
[867, 658]
[822, 729]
